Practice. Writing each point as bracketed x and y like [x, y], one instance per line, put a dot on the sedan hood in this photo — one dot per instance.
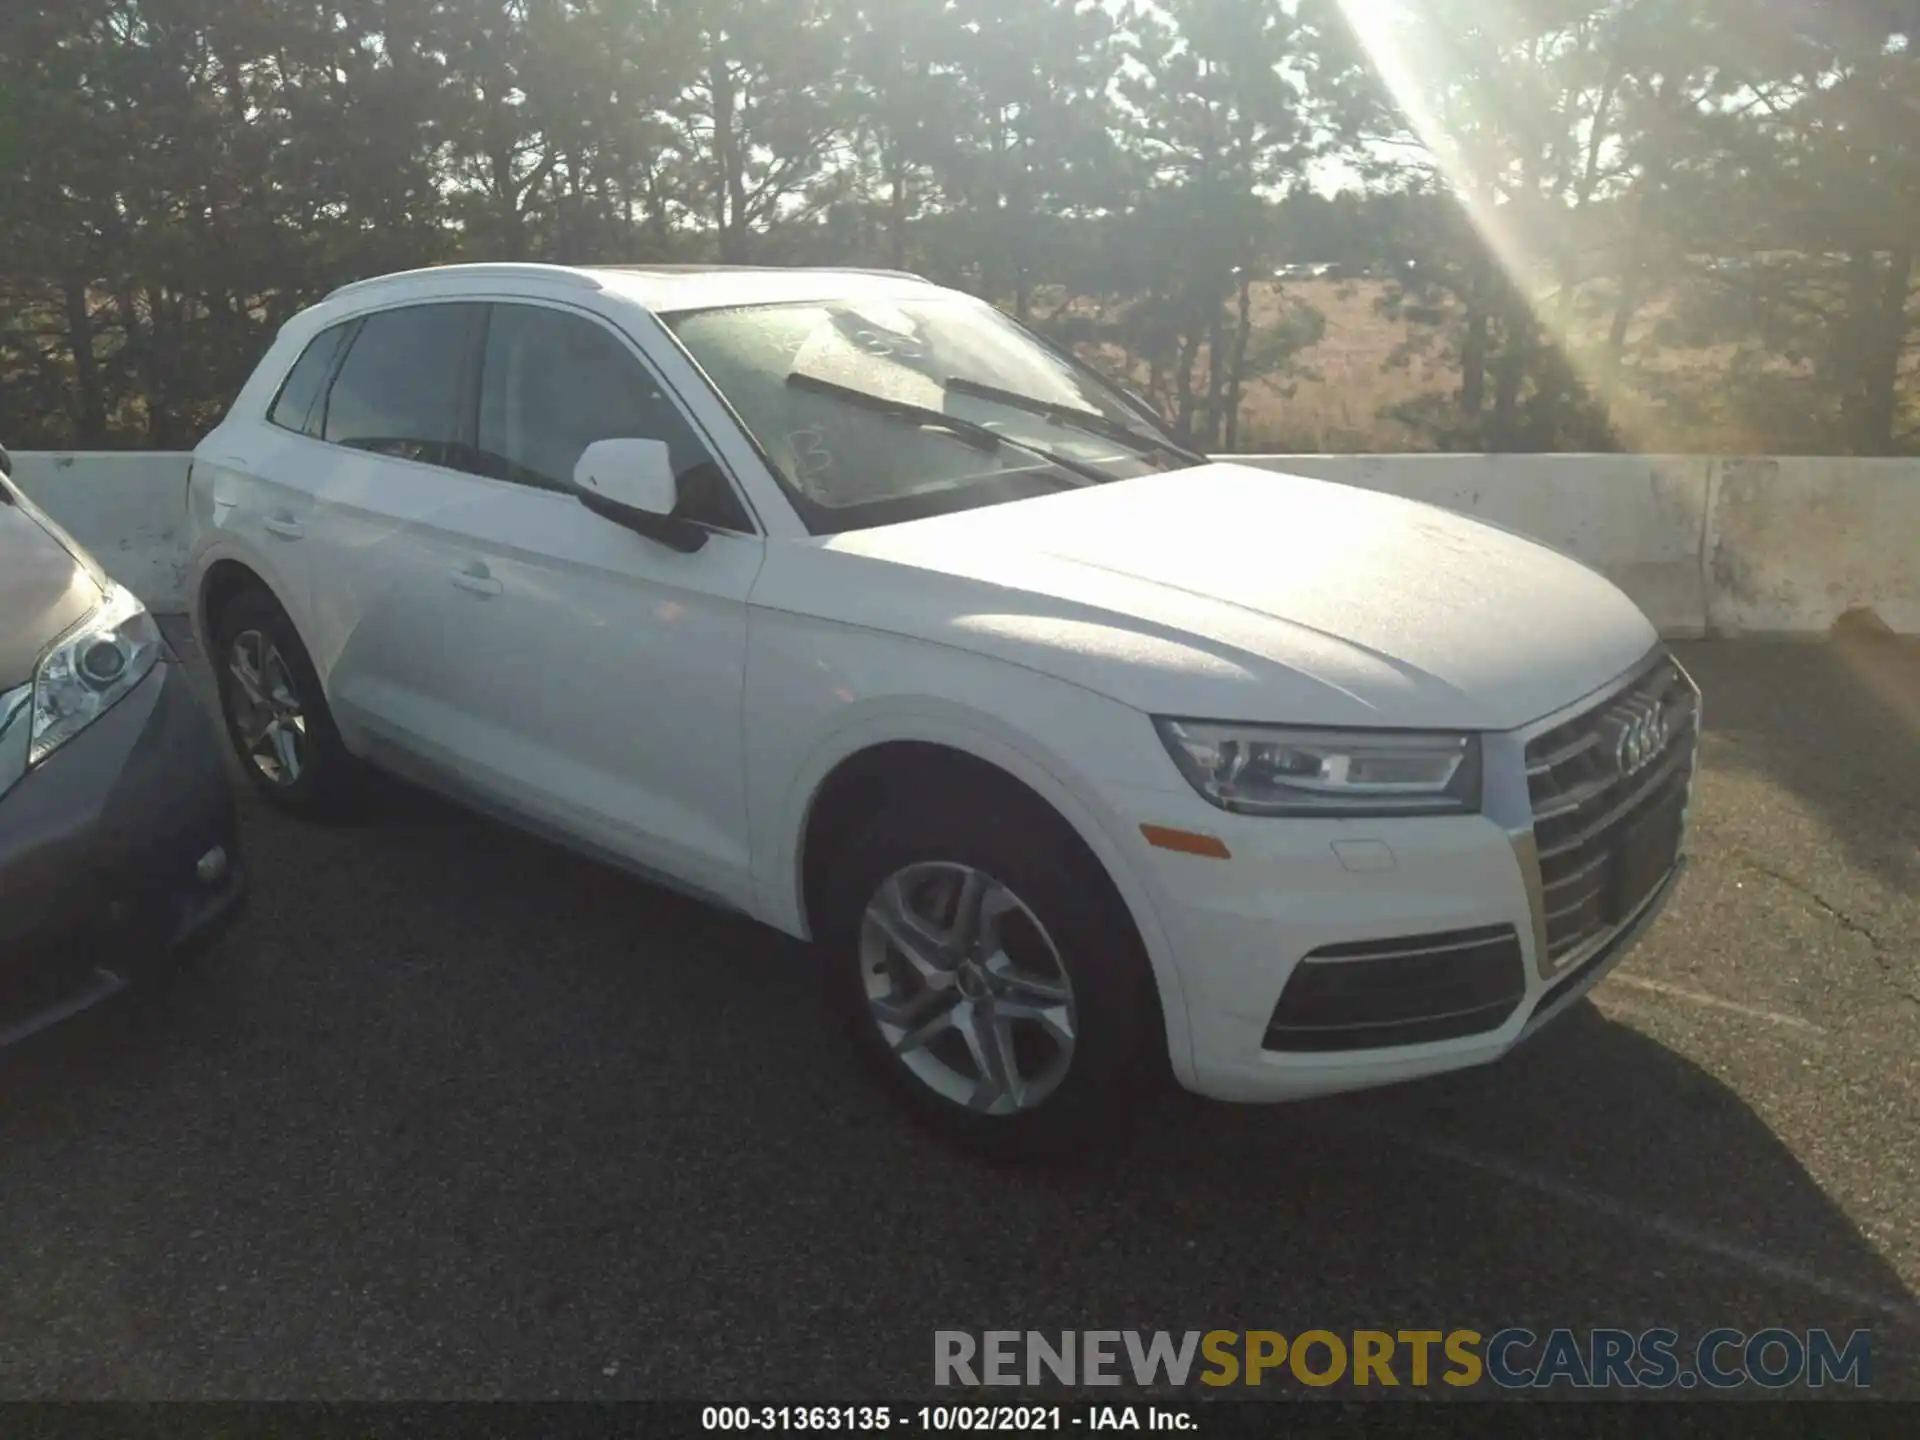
[44, 588]
[1228, 592]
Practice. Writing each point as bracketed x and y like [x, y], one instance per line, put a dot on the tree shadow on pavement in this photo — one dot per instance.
[1837, 724]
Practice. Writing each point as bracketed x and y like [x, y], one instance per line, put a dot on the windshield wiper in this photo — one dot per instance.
[972, 432]
[1091, 421]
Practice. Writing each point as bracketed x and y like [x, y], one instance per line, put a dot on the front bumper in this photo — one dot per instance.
[1447, 912]
[101, 856]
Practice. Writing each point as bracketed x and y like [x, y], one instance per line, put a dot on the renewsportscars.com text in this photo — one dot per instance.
[1512, 1359]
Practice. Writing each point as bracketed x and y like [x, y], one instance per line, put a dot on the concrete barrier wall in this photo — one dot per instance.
[1637, 519]
[128, 507]
[1706, 546]
[1791, 545]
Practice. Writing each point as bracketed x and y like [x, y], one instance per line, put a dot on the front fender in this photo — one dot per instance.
[819, 694]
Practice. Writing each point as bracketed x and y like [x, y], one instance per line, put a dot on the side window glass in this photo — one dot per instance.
[398, 391]
[294, 408]
[551, 384]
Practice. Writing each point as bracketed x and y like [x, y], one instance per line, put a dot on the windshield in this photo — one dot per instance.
[847, 398]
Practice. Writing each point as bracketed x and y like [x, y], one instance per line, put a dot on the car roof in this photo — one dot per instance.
[664, 289]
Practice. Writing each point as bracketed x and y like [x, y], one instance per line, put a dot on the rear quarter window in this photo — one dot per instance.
[297, 407]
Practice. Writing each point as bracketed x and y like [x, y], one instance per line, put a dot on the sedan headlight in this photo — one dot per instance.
[89, 669]
[1277, 770]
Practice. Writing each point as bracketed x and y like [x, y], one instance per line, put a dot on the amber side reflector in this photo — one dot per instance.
[1186, 842]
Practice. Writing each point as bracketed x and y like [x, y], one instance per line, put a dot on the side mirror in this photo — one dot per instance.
[631, 483]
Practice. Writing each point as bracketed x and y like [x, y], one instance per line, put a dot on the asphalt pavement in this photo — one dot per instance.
[453, 1113]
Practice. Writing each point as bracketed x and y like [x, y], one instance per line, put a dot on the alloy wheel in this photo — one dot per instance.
[265, 709]
[967, 988]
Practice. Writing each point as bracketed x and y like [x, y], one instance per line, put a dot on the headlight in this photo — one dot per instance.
[90, 668]
[1274, 770]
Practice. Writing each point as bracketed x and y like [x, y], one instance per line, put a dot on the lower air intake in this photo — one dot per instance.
[1362, 995]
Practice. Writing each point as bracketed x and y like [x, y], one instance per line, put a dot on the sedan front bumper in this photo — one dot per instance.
[117, 853]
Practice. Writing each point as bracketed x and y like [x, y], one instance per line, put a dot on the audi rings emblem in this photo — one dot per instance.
[1642, 737]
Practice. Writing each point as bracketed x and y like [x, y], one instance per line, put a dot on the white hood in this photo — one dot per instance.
[1234, 593]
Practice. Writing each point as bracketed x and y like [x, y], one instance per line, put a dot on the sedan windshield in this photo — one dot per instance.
[878, 411]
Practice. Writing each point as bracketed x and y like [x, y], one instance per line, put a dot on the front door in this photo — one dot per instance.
[597, 676]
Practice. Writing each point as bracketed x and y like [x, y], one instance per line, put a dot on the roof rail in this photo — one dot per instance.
[557, 274]
[704, 269]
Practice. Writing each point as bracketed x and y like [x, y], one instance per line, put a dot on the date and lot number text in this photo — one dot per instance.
[989, 1419]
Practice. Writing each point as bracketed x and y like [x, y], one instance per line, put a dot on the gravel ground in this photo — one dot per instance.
[455, 1114]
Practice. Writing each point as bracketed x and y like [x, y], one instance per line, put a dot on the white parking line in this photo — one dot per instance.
[1647, 1011]
[1668, 1229]
[1714, 1002]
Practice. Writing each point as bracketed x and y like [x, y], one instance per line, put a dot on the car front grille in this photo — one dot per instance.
[1608, 805]
[1358, 995]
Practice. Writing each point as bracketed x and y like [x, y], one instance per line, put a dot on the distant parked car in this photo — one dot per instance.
[839, 599]
[117, 846]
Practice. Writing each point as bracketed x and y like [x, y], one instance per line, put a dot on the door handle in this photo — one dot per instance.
[284, 526]
[475, 578]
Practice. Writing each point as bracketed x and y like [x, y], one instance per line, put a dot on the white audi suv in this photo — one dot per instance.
[838, 598]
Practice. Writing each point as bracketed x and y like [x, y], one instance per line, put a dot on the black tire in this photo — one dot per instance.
[1021, 843]
[328, 785]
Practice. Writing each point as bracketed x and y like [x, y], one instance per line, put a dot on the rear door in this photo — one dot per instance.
[386, 473]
